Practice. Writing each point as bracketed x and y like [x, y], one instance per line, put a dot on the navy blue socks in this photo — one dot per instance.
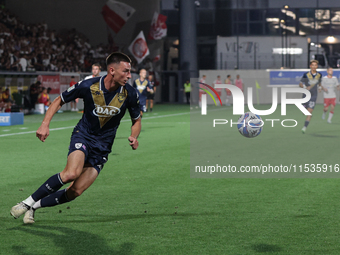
[53, 184]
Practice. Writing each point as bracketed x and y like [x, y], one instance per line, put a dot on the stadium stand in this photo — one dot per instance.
[35, 47]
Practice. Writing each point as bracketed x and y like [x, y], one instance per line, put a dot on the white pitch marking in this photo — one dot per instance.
[62, 128]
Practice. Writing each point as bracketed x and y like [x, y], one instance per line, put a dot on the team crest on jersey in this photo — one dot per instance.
[121, 97]
[78, 145]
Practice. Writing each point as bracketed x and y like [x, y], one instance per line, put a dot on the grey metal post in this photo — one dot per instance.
[187, 38]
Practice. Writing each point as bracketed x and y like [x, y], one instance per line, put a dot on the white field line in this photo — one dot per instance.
[62, 128]
[145, 118]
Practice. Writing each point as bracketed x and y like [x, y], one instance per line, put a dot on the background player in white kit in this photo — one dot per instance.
[96, 68]
[329, 83]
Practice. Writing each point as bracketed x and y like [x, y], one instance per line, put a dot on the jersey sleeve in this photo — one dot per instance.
[134, 85]
[73, 92]
[148, 85]
[133, 105]
[320, 80]
[303, 78]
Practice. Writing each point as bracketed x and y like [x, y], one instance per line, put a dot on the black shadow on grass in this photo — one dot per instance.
[266, 248]
[160, 127]
[85, 218]
[71, 241]
[324, 136]
[303, 216]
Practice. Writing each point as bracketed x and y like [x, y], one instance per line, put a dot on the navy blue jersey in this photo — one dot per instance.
[313, 81]
[151, 84]
[141, 86]
[103, 110]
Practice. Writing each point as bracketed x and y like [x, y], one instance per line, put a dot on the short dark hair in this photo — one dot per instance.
[72, 76]
[117, 57]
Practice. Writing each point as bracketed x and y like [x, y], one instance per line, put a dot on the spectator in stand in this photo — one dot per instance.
[6, 99]
[73, 102]
[239, 82]
[44, 98]
[34, 93]
[2, 104]
[45, 50]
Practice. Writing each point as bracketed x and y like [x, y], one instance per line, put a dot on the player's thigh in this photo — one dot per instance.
[74, 166]
[83, 182]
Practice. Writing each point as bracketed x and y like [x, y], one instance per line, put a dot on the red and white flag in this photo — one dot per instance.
[139, 47]
[158, 28]
[116, 14]
[157, 58]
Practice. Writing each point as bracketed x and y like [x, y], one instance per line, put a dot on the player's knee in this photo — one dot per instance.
[73, 193]
[68, 176]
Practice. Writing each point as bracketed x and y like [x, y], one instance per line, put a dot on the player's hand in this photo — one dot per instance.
[77, 100]
[308, 88]
[43, 132]
[133, 142]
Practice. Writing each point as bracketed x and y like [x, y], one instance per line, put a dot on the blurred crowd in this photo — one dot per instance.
[35, 47]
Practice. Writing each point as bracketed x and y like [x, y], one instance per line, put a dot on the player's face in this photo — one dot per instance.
[330, 71]
[95, 70]
[121, 73]
[142, 74]
[150, 78]
[313, 66]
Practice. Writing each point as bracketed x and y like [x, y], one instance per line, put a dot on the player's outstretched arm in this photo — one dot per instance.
[44, 130]
[135, 131]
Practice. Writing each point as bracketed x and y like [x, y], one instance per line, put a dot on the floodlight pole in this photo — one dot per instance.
[188, 38]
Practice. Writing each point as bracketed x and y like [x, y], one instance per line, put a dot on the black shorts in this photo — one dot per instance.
[310, 104]
[150, 96]
[93, 154]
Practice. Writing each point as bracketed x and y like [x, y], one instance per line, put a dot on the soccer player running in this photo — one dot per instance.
[141, 84]
[311, 80]
[150, 93]
[95, 71]
[105, 102]
[329, 83]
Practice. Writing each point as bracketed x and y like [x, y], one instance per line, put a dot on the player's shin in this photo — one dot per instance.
[57, 198]
[52, 185]
[330, 116]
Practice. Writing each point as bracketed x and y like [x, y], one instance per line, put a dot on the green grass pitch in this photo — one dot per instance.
[144, 201]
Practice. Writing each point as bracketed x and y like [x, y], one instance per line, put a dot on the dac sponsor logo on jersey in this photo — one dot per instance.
[106, 111]
[78, 145]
